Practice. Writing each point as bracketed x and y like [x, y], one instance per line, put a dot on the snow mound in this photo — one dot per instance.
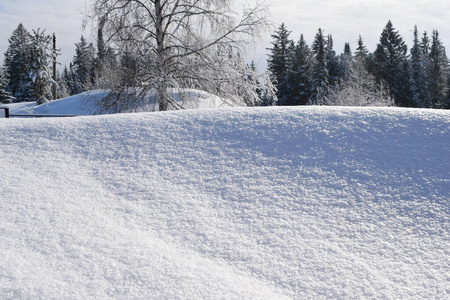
[263, 203]
[73, 105]
[85, 103]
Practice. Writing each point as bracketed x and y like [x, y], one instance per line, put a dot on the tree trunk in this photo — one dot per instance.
[163, 97]
[162, 85]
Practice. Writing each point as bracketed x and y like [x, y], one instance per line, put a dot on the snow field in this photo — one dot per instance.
[262, 203]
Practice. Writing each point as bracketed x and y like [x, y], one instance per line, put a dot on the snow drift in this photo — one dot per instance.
[87, 103]
[274, 203]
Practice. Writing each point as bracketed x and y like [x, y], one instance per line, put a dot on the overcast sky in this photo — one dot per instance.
[345, 20]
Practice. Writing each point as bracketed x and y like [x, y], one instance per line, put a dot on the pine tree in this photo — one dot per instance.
[17, 64]
[41, 56]
[278, 61]
[299, 83]
[391, 64]
[438, 73]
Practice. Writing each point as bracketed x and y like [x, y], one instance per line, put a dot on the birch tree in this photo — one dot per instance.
[358, 88]
[176, 41]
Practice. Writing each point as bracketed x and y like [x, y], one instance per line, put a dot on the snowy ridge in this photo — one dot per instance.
[262, 203]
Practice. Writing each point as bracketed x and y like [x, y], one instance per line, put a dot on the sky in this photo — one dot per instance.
[345, 20]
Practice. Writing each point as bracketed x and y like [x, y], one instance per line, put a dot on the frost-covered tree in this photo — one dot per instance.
[41, 58]
[5, 96]
[17, 63]
[358, 88]
[278, 62]
[62, 88]
[169, 38]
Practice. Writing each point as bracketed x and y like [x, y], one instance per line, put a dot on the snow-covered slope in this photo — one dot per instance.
[274, 203]
[73, 105]
[85, 103]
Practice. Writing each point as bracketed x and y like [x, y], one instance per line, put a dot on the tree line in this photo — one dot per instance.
[388, 76]
[132, 59]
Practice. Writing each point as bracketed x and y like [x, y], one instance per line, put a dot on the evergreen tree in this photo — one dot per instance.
[391, 64]
[361, 51]
[332, 62]
[419, 80]
[5, 96]
[83, 65]
[17, 63]
[345, 60]
[67, 79]
[347, 49]
[129, 69]
[41, 56]
[278, 62]
[438, 73]
[320, 70]
[299, 83]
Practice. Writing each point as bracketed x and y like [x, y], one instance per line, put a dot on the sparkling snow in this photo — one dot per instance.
[243, 203]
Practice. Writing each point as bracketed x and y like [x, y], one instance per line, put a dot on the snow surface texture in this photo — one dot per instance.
[262, 203]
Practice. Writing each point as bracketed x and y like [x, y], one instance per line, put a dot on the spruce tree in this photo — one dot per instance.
[419, 80]
[299, 81]
[361, 51]
[41, 56]
[5, 96]
[83, 65]
[332, 62]
[391, 64]
[345, 61]
[320, 70]
[278, 60]
[17, 64]
[438, 72]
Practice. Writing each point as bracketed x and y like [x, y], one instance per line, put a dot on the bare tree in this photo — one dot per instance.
[359, 88]
[176, 42]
